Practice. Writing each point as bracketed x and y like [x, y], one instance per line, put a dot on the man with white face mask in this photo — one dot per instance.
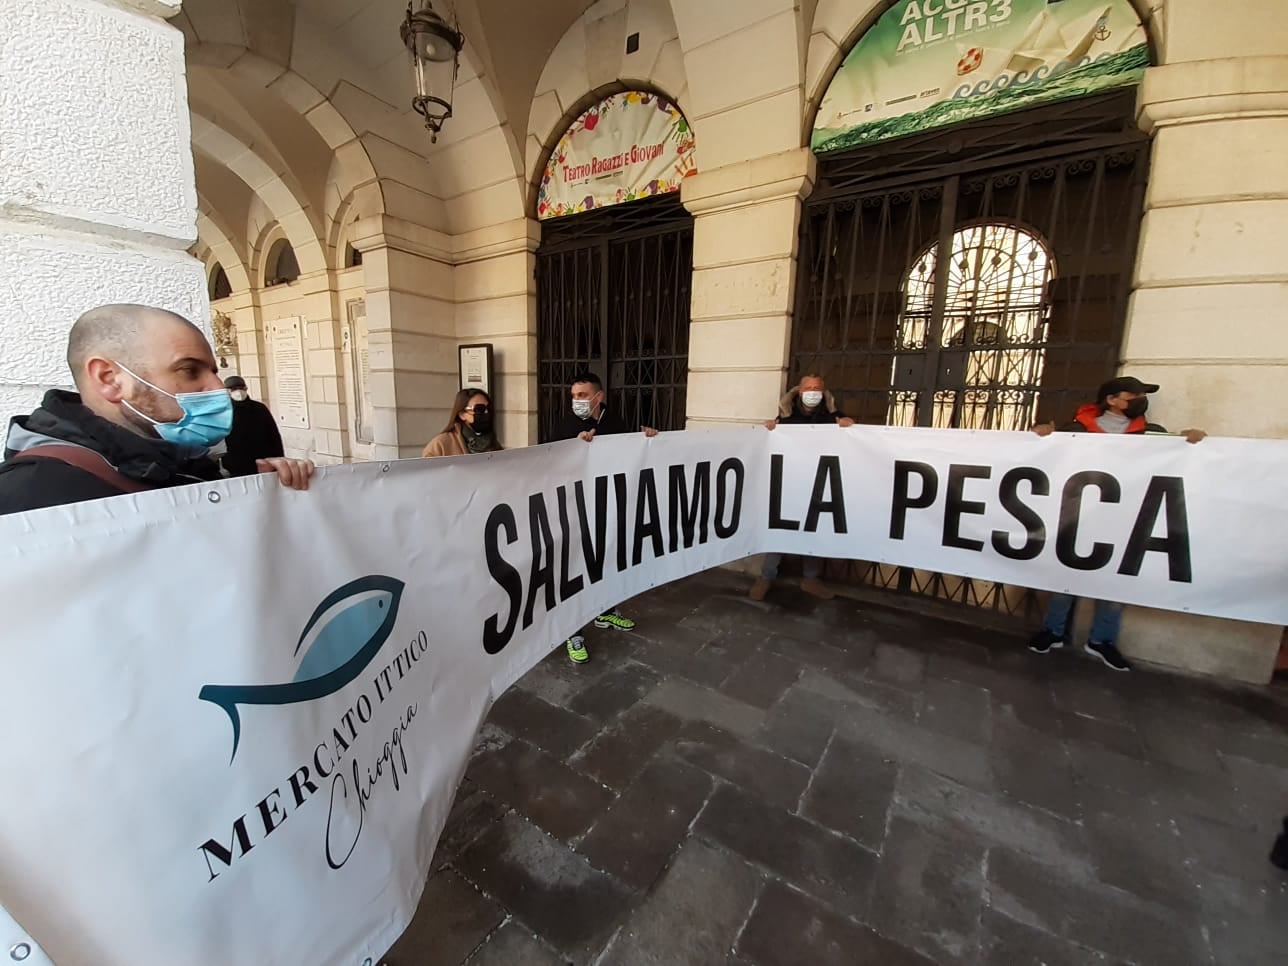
[805, 404]
[148, 409]
[254, 435]
[591, 418]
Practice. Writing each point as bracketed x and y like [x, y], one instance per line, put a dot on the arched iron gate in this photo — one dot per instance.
[613, 289]
[1040, 213]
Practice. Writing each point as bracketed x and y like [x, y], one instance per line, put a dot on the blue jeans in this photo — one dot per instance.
[1106, 621]
[812, 566]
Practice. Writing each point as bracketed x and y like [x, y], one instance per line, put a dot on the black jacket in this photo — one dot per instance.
[572, 425]
[31, 484]
[254, 437]
[791, 412]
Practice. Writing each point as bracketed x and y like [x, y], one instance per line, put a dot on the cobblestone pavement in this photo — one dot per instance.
[806, 783]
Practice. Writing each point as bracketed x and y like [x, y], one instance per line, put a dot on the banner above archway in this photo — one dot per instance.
[929, 63]
[629, 146]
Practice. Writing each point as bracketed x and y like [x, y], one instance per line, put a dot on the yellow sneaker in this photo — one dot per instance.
[577, 652]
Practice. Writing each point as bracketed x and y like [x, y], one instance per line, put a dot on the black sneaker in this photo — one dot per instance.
[1044, 642]
[1108, 653]
[1279, 854]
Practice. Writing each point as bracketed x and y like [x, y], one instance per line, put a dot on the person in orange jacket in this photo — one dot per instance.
[1120, 407]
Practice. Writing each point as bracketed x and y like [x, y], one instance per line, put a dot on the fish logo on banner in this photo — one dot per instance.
[343, 636]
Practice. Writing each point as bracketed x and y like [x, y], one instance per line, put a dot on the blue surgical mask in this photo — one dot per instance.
[207, 416]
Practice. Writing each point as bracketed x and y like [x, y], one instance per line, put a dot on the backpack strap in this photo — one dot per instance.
[86, 459]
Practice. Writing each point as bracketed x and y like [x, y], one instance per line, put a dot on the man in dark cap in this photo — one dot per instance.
[1120, 407]
[254, 434]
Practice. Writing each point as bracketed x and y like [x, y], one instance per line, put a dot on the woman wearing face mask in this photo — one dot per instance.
[469, 428]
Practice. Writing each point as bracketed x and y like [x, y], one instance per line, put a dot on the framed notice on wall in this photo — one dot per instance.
[290, 380]
[475, 362]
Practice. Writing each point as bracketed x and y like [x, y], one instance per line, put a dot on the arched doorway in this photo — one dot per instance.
[989, 342]
[1024, 163]
[615, 262]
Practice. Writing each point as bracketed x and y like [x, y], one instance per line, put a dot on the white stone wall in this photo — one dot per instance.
[90, 211]
[1208, 319]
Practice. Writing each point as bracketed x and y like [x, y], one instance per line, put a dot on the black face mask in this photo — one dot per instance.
[482, 423]
[1136, 408]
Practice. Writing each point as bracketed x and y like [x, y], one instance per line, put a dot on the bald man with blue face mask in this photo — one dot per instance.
[148, 409]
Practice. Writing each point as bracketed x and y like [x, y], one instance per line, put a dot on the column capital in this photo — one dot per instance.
[508, 238]
[1206, 90]
[386, 231]
[789, 174]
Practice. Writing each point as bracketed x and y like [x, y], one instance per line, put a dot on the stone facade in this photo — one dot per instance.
[236, 126]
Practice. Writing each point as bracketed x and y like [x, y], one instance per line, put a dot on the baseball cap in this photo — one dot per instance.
[1124, 384]
[237, 382]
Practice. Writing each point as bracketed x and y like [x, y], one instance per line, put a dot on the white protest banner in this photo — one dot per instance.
[239, 713]
[1153, 521]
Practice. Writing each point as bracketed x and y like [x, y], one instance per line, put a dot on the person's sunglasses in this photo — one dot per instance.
[479, 409]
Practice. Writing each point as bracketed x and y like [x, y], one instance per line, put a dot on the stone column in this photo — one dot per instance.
[410, 326]
[1209, 317]
[496, 303]
[98, 201]
[744, 284]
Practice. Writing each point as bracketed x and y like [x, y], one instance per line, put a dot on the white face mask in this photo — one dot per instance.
[811, 398]
[582, 407]
[240, 395]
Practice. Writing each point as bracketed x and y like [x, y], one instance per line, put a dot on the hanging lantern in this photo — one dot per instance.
[435, 52]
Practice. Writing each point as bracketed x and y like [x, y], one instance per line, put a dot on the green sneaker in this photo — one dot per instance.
[615, 620]
[577, 652]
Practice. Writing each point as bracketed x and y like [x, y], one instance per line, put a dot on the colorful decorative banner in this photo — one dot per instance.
[238, 714]
[929, 63]
[628, 146]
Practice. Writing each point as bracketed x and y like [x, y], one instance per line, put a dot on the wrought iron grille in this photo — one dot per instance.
[1023, 319]
[613, 297]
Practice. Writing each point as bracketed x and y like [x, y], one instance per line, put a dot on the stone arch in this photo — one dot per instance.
[345, 203]
[239, 74]
[291, 88]
[353, 208]
[280, 264]
[212, 234]
[267, 238]
[269, 184]
[838, 26]
[217, 279]
[579, 107]
[571, 81]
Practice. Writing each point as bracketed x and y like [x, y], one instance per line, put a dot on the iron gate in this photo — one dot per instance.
[613, 297]
[1039, 214]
